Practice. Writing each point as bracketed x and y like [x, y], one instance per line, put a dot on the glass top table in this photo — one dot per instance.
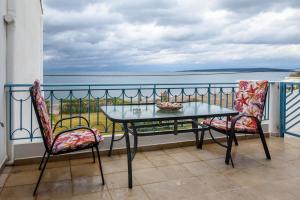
[136, 113]
[130, 114]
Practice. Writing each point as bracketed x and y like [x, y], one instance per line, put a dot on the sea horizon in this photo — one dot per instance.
[163, 77]
[205, 71]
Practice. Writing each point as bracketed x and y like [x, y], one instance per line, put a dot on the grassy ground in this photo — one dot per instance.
[97, 120]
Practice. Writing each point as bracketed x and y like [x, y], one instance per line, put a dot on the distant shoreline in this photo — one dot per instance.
[179, 73]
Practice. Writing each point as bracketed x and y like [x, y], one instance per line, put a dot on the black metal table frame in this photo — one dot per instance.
[195, 128]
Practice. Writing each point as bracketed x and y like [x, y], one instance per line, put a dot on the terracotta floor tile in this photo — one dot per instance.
[93, 196]
[150, 175]
[57, 174]
[174, 150]
[189, 188]
[115, 166]
[105, 158]
[256, 176]
[275, 191]
[199, 168]
[136, 193]
[204, 154]
[162, 160]
[85, 170]
[82, 161]
[141, 163]
[175, 172]
[55, 164]
[154, 153]
[237, 194]
[218, 182]
[240, 162]
[85, 185]
[22, 178]
[184, 157]
[55, 190]
[23, 168]
[118, 180]
[23, 192]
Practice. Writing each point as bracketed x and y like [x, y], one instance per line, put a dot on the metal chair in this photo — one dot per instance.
[250, 102]
[71, 140]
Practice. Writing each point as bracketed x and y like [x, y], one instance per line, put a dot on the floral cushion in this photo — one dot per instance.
[75, 139]
[250, 98]
[43, 113]
[243, 125]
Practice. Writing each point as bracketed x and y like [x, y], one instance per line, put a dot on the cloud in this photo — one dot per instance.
[165, 33]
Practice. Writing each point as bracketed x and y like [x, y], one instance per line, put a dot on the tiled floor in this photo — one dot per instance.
[180, 173]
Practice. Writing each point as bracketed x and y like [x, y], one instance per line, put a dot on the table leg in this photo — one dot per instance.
[129, 160]
[196, 132]
[201, 139]
[112, 139]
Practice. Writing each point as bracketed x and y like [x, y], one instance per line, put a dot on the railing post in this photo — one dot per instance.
[274, 109]
[282, 108]
[208, 93]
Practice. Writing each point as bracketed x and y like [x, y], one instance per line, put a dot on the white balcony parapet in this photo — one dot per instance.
[274, 115]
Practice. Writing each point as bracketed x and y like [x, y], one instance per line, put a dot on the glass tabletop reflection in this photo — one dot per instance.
[142, 112]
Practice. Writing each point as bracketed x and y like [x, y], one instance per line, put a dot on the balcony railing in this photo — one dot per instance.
[85, 100]
[290, 108]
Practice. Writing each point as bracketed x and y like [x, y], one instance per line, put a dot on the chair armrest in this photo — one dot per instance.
[73, 129]
[236, 118]
[69, 118]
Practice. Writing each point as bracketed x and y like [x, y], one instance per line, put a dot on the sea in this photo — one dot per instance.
[162, 77]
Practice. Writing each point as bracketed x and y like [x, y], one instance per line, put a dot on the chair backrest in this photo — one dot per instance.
[251, 98]
[41, 114]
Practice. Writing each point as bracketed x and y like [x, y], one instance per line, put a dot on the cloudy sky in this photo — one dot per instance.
[170, 35]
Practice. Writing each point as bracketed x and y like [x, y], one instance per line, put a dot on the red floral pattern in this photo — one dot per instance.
[243, 125]
[250, 100]
[67, 141]
[76, 139]
[42, 112]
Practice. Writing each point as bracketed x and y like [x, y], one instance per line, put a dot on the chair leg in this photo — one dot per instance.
[41, 174]
[197, 139]
[263, 140]
[112, 139]
[235, 140]
[100, 166]
[42, 160]
[93, 155]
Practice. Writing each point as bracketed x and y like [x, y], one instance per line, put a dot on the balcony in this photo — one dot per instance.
[165, 167]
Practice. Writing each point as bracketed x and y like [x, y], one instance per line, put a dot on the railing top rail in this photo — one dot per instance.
[10, 85]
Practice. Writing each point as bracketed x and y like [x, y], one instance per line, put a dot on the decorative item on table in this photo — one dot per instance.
[169, 106]
[164, 96]
[137, 110]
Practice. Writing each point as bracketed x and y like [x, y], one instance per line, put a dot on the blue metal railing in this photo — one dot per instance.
[85, 100]
[290, 108]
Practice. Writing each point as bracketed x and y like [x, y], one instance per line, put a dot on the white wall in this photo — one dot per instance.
[25, 42]
[24, 51]
[2, 81]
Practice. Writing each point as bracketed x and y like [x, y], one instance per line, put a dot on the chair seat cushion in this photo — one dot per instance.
[76, 139]
[245, 124]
